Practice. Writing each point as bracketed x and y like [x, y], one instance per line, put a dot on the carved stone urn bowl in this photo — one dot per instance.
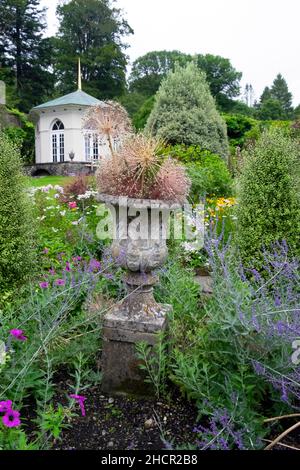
[140, 231]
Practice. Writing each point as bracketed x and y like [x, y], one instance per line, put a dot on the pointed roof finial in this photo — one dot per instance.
[79, 75]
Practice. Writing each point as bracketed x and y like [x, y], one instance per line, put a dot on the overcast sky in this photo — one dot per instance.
[260, 37]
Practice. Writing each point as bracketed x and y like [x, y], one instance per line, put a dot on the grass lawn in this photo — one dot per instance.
[45, 180]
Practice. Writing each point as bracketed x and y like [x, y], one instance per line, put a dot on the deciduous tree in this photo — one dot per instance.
[93, 30]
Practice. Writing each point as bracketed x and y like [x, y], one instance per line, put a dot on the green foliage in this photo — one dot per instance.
[185, 112]
[15, 439]
[93, 30]
[221, 76]
[132, 102]
[16, 220]
[15, 134]
[268, 208]
[276, 102]
[208, 354]
[238, 127]
[22, 136]
[59, 334]
[53, 421]
[65, 230]
[149, 70]
[280, 92]
[233, 106]
[208, 172]
[271, 109]
[141, 117]
[154, 363]
[175, 281]
[24, 54]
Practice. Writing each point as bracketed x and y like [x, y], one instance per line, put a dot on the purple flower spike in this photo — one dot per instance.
[80, 400]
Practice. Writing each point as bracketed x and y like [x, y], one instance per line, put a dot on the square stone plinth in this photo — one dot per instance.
[120, 365]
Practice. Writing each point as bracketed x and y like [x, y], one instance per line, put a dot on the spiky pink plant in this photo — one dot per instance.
[171, 183]
[143, 171]
[109, 119]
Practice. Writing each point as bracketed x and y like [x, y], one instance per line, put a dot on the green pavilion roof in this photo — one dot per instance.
[78, 97]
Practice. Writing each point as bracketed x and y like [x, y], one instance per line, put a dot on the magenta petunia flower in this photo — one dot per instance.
[5, 406]
[80, 400]
[73, 205]
[60, 282]
[11, 419]
[44, 285]
[18, 334]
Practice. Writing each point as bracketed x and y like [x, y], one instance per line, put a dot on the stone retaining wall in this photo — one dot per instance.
[60, 169]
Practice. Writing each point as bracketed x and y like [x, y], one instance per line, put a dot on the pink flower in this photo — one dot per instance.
[5, 406]
[60, 282]
[11, 419]
[18, 334]
[73, 205]
[80, 400]
[44, 285]
[46, 251]
[68, 267]
[52, 272]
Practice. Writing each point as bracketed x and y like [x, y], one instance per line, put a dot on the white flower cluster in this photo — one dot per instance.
[189, 247]
[87, 195]
[3, 354]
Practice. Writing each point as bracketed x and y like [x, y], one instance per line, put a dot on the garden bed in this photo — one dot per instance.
[122, 423]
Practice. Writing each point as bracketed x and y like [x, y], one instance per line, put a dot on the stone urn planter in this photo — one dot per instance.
[139, 245]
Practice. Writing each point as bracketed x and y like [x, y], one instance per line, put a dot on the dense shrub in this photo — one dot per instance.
[238, 127]
[16, 222]
[233, 350]
[75, 188]
[22, 136]
[185, 112]
[269, 208]
[141, 116]
[208, 172]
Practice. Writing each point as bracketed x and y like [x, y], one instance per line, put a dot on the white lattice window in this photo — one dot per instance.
[58, 142]
[93, 147]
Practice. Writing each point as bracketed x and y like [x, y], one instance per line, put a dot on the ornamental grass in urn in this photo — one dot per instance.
[142, 186]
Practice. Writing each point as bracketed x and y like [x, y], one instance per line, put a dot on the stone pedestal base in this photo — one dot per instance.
[120, 365]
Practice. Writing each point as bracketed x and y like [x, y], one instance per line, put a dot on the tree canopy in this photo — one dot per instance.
[25, 56]
[93, 30]
[276, 102]
[149, 70]
[185, 112]
[221, 76]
